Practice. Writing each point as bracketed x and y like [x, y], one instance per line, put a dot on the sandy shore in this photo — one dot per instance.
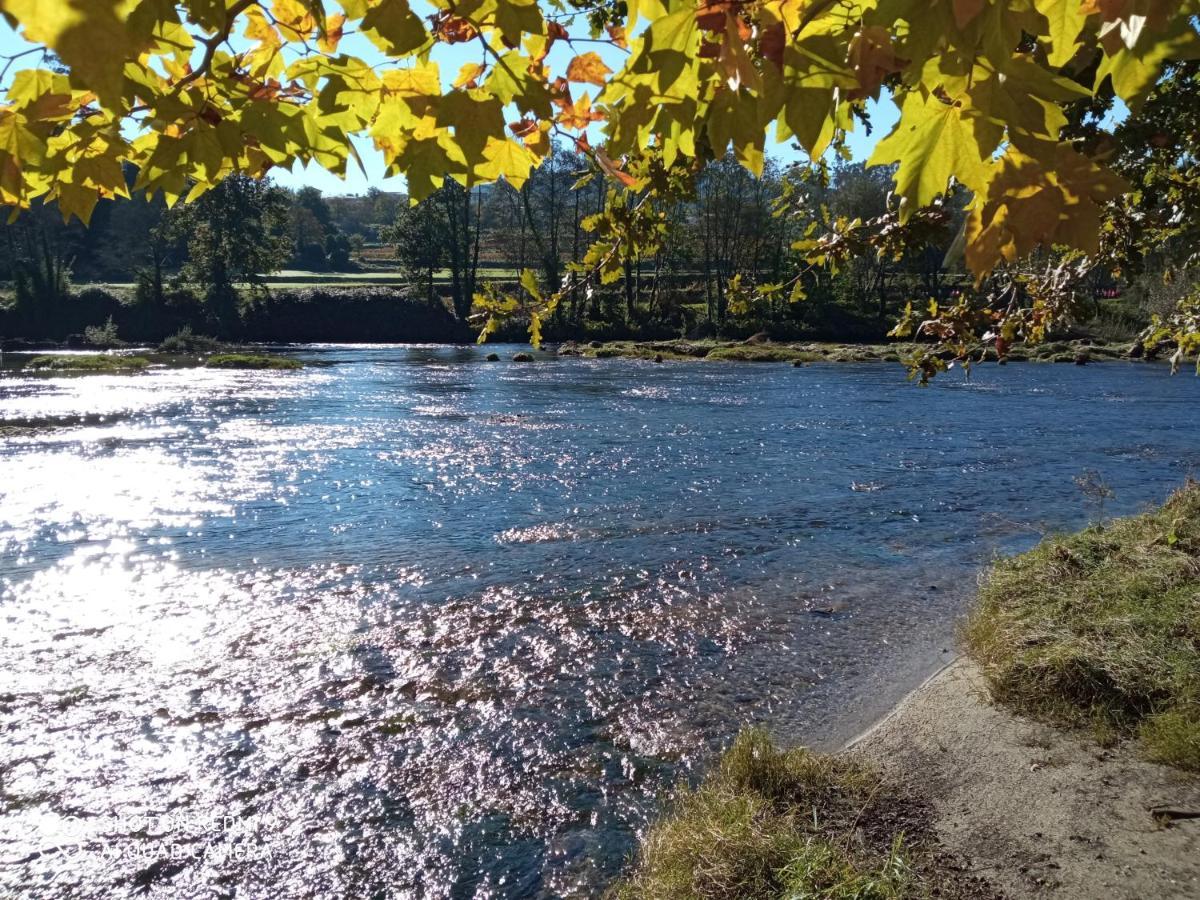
[1038, 811]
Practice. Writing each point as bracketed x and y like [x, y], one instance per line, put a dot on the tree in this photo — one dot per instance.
[982, 91]
[234, 233]
[36, 256]
[420, 238]
[456, 213]
[735, 225]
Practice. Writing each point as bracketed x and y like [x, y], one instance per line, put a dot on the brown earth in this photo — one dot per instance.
[1034, 810]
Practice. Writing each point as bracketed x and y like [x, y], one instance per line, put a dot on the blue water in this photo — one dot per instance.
[412, 624]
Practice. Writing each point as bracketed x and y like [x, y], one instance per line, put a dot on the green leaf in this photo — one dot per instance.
[1066, 19]
[933, 141]
[394, 28]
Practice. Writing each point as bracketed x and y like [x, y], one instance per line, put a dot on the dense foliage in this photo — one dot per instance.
[191, 93]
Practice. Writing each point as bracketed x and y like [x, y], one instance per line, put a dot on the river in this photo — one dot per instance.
[411, 624]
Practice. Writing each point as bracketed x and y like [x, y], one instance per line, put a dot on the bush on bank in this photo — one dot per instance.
[1102, 629]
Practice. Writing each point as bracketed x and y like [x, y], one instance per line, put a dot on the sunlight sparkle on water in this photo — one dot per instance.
[415, 625]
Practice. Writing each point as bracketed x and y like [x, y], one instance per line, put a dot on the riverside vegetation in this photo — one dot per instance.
[759, 348]
[89, 363]
[1102, 629]
[112, 363]
[1098, 629]
[791, 823]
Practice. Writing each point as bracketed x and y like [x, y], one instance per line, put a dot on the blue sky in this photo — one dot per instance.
[450, 58]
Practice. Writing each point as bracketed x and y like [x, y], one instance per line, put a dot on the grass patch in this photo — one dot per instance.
[1102, 629]
[762, 353]
[87, 363]
[249, 361]
[814, 351]
[633, 350]
[772, 823]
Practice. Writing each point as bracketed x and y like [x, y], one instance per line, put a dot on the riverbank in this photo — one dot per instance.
[1037, 810]
[1094, 634]
[1077, 351]
[949, 795]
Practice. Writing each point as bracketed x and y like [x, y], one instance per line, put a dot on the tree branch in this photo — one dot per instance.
[212, 43]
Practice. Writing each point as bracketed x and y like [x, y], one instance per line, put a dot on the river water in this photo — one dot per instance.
[412, 624]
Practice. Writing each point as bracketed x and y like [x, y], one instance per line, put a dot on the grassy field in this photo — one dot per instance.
[289, 279]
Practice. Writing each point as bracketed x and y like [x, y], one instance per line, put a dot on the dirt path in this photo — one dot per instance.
[1038, 811]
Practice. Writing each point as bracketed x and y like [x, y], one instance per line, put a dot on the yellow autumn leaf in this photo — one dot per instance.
[294, 19]
[469, 74]
[332, 34]
[588, 68]
[90, 38]
[934, 141]
[503, 158]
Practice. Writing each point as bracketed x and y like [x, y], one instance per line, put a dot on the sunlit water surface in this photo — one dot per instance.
[409, 624]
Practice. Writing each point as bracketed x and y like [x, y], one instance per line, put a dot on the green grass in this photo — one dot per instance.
[87, 363]
[1102, 629]
[634, 350]
[730, 351]
[249, 361]
[762, 353]
[769, 823]
[814, 351]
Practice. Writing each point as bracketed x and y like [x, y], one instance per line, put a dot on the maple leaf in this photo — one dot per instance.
[579, 115]
[588, 68]
[332, 34]
[873, 58]
[506, 159]
[92, 40]
[468, 75]
[934, 141]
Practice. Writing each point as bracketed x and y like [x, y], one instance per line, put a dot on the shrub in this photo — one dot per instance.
[104, 336]
[184, 341]
[351, 314]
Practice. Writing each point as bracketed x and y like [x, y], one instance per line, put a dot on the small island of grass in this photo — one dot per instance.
[252, 361]
[87, 363]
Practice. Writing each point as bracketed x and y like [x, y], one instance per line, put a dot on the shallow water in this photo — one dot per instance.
[413, 624]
